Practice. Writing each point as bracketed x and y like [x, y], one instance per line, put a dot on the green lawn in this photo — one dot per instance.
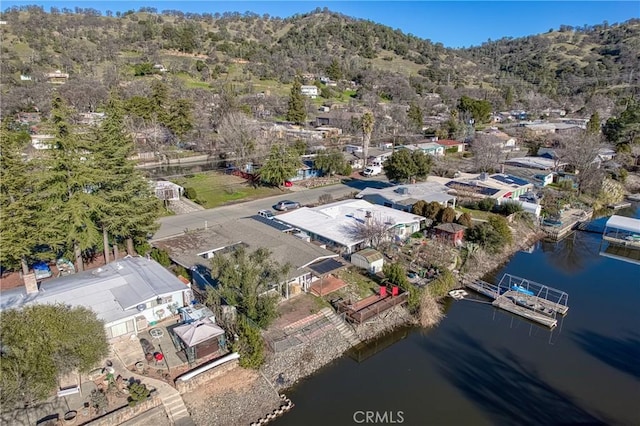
[476, 214]
[216, 189]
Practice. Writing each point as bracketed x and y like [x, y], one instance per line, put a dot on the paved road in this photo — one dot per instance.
[176, 225]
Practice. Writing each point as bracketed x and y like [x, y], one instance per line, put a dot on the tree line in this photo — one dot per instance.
[75, 199]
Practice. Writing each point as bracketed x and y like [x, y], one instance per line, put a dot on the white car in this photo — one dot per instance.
[267, 214]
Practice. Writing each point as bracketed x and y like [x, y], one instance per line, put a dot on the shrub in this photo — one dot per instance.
[447, 215]
[508, 208]
[347, 170]
[325, 199]
[443, 284]
[160, 256]
[249, 345]
[501, 226]
[486, 204]
[465, 220]
[190, 193]
[138, 392]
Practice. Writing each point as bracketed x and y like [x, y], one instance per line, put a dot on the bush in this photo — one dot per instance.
[501, 226]
[190, 193]
[160, 256]
[249, 345]
[508, 208]
[447, 215]
[486, 204]
[347, 170]
[443, 284]
[465, 220]
[137, 393]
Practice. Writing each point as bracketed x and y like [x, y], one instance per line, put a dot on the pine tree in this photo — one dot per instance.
[414, 116]
[297, 112]
[68, 186]
[129, 209]
[334, 71]
[19, 232]
[593, 126]
[282, 164]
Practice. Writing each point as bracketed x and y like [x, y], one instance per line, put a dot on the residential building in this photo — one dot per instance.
[540, 163]
[42, 141]
[194, 250]
[431, 148]
[452, 232]
[311, 91]
[335, 224]
[448, 144]
[129, 295]
[57, 77]
[336, 118]
[505, 141]
[369, 259]
[498, 186]
[403, 197]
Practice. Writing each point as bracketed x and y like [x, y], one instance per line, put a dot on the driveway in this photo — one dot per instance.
[175, 225]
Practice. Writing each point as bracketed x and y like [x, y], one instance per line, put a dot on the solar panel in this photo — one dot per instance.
[273, 223]
[510, 180]
[325, 266]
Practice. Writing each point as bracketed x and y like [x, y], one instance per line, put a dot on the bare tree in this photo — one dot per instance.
[487, 153]
[581, 153]
[373, 229]
[237, 133]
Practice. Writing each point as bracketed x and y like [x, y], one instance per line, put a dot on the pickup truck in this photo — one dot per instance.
[372, 171]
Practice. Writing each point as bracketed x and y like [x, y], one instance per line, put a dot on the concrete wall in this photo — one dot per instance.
[203, 378]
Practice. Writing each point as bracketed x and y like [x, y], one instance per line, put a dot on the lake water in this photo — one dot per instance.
[482, 366]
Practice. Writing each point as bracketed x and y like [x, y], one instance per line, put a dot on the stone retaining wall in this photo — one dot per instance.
[202, 378]
[126, 413]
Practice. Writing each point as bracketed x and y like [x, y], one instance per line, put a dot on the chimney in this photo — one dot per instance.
[30, 283]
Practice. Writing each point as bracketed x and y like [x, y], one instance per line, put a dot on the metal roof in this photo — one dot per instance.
[625, 223]
[370, 255]
[112, 291]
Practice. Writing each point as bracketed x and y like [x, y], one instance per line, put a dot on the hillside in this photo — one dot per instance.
[248, 53]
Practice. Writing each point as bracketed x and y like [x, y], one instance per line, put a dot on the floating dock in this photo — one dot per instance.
[618, 206]
[528, 299]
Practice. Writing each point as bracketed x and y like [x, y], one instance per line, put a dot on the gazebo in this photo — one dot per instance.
[199, 339]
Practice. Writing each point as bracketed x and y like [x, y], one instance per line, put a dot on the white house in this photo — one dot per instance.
[333, 224]
[311, 91]
[129, 295]
[42, 141]
[369, 259]
[431, 148]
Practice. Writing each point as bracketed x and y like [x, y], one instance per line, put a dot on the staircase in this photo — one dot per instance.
[342, 327]
[176, 410]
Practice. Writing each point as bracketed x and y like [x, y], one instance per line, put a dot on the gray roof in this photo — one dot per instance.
[113, 291]
[410, 194]
[285, 248]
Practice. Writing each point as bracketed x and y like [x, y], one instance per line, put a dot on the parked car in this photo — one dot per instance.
[372, 171]
[268, 214]
[288, 184]
[285, 205]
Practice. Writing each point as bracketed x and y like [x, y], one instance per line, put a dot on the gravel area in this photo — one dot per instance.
[240, 397]
[285, 368]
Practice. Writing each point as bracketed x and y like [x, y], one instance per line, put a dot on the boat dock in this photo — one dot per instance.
[618, 206]
[528, 299]
[558, 229]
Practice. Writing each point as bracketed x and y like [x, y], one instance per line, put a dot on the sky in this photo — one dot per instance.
[452, 23]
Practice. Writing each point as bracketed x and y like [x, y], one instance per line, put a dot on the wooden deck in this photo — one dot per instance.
[369, 307]
[510, 306]
[326, 285]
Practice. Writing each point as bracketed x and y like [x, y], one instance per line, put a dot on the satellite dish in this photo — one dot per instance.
[141, 307]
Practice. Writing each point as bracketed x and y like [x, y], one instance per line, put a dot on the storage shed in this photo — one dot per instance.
[369, 259]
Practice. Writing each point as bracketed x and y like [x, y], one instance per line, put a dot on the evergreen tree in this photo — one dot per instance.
[180, 118]
[68, 187]
[296, 112]
[282, 164]
[330, 162]
[129, 209]
[334, 71]
[593, 126]
[19, 230]
[414, 116]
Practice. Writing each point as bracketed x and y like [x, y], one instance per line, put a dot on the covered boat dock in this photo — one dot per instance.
[623, 231]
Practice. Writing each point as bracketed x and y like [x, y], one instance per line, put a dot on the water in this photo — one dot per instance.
[482, 366]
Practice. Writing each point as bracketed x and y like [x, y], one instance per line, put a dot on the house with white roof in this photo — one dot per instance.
[334, 224]
[498, 186]
[129, 295]
[403, 197]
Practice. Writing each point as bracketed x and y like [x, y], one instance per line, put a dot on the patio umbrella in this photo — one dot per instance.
[198, 332]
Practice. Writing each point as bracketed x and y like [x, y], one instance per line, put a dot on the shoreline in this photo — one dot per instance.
[284, 370]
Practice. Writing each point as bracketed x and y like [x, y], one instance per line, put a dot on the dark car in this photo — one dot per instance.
[286, 205]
